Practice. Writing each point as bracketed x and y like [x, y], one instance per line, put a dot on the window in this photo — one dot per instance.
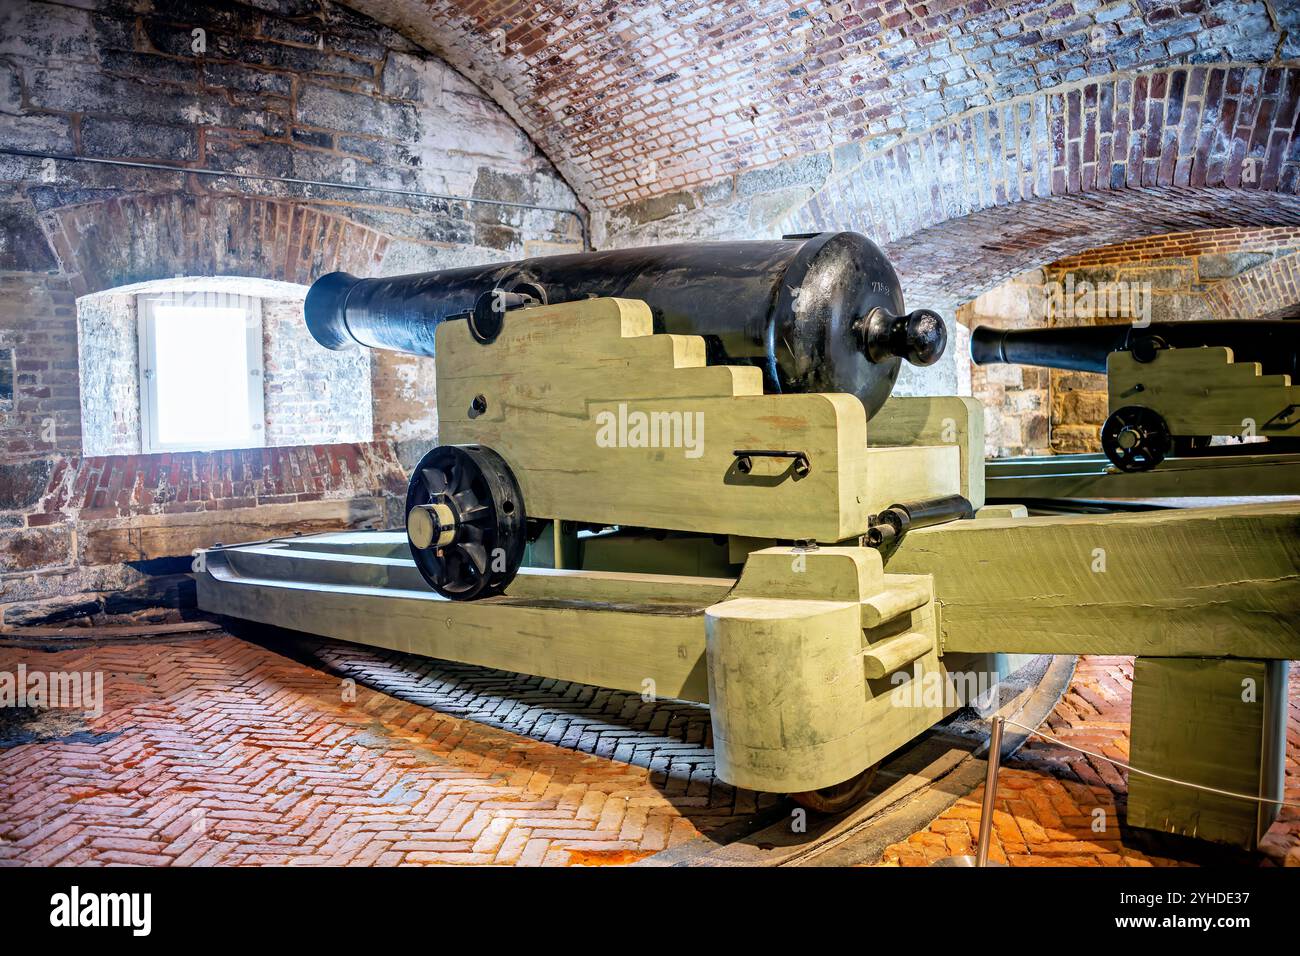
[308, 395]
[200, 371]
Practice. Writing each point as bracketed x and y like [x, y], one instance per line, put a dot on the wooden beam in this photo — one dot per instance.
[1180, 582]
[1093, 476]
[615, 642]
[1215, 722]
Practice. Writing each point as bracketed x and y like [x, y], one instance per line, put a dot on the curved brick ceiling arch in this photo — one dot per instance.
[971, 202]
[945, 265]
[637, 100]
[1269, 291]
[218, 235]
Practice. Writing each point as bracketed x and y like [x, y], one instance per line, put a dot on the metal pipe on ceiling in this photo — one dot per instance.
[294, 181]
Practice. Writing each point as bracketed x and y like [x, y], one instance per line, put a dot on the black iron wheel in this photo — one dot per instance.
[1135, 438]
[838, 797]
[465, 521]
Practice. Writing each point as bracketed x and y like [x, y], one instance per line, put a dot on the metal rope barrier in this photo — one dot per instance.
[981, 857]
[1147, 773]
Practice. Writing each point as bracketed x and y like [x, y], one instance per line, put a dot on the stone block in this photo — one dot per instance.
[128, 139]
[23, 247]
[30, 549]
[22, 484]
[810, 170]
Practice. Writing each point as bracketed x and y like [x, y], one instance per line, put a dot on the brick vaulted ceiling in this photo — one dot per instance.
[638, 98]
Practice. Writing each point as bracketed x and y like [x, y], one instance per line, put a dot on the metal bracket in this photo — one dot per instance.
[745, 459]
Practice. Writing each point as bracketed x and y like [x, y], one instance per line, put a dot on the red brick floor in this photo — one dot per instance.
[1048, 796]
[218, 751]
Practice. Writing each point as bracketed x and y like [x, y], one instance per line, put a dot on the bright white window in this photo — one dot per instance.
[200, 371]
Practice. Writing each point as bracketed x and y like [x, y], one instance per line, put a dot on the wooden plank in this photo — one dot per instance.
[607, 644]
[1179, 582]
[286, 562]
[146, 536]
[1091, 476]
[109, 632]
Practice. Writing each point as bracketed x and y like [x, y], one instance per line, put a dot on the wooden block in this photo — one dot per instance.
[937, 420]
[1202, 391]
[1218, 722]
[793, 701]
[604, 422]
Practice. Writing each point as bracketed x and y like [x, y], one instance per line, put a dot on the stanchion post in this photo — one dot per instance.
[990, 792]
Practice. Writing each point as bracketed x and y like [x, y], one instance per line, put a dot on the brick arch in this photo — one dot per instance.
[1271, 290]
[981, 197]
[701, 90]
[1270, 239]
[73, 508]
[129, 239]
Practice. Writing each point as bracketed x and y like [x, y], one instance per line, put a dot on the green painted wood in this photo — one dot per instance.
[612, 642]
[1093, 477]
[1171, 583]
[1216, 722]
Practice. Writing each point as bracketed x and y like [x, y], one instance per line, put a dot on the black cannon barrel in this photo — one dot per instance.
[820, 313]
[1274, 344]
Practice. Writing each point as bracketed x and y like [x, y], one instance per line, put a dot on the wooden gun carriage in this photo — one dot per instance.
[569, 526]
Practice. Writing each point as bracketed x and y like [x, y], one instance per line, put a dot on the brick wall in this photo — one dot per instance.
[312, 91]
[109, 364]
[1016, 399]
[1207, 274]
[1268, 291]
[1201, 242]
[312, 394]
[38, 322]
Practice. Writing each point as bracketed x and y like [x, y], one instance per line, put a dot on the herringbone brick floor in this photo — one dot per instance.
[222, 751]
[672, 739]
[1049, 798]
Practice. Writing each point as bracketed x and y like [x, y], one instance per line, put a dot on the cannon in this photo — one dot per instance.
[1172, 386]
[1275, 344]
[674, 472]
[811, 314]
[819, 313]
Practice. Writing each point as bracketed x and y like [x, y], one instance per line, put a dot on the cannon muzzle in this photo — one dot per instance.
[821, 313]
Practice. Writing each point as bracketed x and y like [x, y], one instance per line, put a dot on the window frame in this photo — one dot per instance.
[148, 382]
